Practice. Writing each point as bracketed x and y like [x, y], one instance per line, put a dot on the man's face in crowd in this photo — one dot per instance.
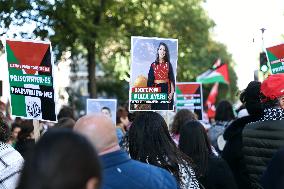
[106, 113]
[281, 101]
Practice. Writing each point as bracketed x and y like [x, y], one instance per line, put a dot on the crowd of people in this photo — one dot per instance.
[243, 149]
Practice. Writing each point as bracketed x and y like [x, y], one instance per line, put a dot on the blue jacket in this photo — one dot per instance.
[121, 172]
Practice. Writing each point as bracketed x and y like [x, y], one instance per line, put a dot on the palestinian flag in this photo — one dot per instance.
[31, 80]
[275, 56]
[211, 100]
[217, 74]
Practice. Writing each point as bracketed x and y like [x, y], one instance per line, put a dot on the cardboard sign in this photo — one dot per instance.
[30, 66]
[275, 57]
[153, 73]
[105, 106]
[189, 96]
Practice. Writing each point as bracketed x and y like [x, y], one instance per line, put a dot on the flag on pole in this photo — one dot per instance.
[211, 100]
[217, 74]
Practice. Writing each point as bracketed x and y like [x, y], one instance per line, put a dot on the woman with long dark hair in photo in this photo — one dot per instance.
[212, 171]
[161, 75]
[150, 142]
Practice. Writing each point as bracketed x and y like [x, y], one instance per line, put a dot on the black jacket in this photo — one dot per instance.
[218, 175]
[273, 177]
[232, 152]
[261, 141]
[24, 147]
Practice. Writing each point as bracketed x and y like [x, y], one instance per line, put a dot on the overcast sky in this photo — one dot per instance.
[238, 24]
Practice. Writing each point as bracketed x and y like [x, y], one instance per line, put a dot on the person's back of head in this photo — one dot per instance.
[147, 132]
[27, 129]
[61, 159]
[122, 117]
[180, 118]
[66, 111]
[100, 130]
[250, 97]
[65, 122]
[150, 141]
[194, 142]
[224, 111]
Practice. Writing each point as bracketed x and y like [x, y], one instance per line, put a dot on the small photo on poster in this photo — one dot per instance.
[153, 73]
[105, 106]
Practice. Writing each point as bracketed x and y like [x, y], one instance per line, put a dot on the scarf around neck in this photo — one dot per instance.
[273, 114]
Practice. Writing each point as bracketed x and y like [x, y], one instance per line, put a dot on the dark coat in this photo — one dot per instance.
[119, 171]
[273, 177]
[233, 153]
[261, 140]
[218, 175]
[25, 146]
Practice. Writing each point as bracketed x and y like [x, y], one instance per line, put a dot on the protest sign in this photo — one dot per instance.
[275, 57]
[105, 106]
[30, 67]
[153, 73]
[189, 96]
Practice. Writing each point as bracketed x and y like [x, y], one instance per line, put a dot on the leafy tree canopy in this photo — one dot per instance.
[100, 30]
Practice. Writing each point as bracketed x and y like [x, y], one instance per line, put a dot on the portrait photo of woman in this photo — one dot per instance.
[161, 75]
[153, 73]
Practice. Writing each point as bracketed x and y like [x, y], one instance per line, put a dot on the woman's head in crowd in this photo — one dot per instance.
[250, 97]
[27, 130]
[61, 159]
[150, 141]
[224, 111]
[65, 122]
[272, 91]
[16, 129]
[180, 118]
[122, 117]
[66, 111]
[194, 142]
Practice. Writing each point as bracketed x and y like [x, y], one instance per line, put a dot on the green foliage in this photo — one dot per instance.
[100, 30]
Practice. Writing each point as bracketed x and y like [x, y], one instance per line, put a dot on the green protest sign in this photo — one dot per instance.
[275, 57]
[189, 96]
[31, 79]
